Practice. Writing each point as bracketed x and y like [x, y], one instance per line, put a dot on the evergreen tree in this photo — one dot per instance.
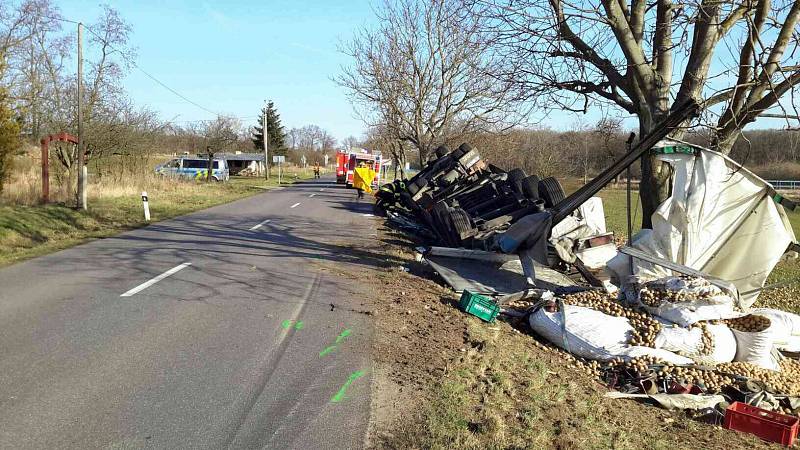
[277, 142]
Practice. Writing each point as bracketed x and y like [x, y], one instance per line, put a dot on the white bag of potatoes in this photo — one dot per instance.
[591, 334]
[709, 344]
[686, 300]
[755, 337]
[785, 327]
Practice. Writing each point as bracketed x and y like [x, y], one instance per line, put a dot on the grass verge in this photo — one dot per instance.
[29, 231]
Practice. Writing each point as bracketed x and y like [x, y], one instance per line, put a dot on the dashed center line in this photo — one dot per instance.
[260, 225]
[295, 205]
[311, 195]
[155, 280]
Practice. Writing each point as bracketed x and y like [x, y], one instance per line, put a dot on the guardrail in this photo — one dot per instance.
[785, 185]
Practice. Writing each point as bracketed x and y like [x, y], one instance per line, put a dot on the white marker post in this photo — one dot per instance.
[279, 160]
[146, 206]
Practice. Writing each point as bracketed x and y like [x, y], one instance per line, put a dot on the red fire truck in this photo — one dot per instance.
[346, 162]
[342, 158]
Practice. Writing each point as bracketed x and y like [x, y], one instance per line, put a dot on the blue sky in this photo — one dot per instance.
[230, 56]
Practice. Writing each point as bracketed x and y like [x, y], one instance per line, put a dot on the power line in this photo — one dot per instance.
[136, 66]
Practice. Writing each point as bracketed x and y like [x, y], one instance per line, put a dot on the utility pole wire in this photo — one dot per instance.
[134, 65]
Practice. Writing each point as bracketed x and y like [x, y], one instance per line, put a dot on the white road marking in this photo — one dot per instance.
[295, 205]
[321, 189]
[311, 195]
[155, 280]
[367, 215]
[260, 225]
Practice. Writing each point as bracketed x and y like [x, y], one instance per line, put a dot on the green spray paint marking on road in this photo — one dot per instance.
[353, 377]
[327, 350]
[339, 340]
[286, 324]
[343, 335]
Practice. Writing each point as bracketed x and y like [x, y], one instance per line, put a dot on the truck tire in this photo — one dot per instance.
[462, 150]
[530, 187]
[515, 177]
[551, 192]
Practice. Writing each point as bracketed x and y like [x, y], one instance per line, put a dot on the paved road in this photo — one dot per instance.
[204, 331]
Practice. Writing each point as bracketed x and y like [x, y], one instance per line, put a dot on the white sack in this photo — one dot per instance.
[714, 305]
[593, 335]
[687, 313]
[756, 348]
[785, 328]
[785, 323]
[790, 344]
[689, 342]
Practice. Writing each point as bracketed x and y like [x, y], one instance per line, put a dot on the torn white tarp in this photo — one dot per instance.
[720, 220]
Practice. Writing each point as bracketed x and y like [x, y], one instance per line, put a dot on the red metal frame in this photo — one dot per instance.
[46, 159]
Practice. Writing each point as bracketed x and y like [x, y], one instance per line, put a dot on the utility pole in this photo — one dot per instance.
[266, 141]
[81, 163]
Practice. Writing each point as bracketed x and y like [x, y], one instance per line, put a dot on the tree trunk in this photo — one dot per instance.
[655, 186]
[210, 167]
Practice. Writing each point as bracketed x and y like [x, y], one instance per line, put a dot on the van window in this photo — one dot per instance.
[173, 164]
[198, 164]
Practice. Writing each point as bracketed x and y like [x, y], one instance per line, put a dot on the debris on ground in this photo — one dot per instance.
[667, 319]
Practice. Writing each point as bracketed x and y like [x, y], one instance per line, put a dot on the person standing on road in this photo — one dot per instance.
[362, 179]
[316, 170]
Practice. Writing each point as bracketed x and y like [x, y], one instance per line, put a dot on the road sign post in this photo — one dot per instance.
[279, 160]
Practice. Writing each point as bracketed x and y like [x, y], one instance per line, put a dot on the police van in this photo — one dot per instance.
[195, 167]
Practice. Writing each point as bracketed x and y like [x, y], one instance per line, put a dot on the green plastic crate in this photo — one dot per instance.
[479, 306]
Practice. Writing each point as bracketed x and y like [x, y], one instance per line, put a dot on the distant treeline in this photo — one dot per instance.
[772, 154]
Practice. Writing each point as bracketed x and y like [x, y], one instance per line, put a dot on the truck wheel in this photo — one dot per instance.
[530, 187]
[462, 150]
[515, 176]
[551, 192]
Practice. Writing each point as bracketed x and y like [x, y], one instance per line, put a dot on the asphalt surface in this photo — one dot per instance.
[204, 331]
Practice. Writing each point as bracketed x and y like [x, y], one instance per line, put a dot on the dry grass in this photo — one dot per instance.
[28, 228]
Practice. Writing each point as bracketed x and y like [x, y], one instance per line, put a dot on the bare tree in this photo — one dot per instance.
[737, 58]
[422, 73]
[350, 142]
[219, 135]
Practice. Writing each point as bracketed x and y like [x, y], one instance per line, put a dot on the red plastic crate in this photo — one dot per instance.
[767, 425]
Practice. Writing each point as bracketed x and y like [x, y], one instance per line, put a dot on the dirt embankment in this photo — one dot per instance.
[447, 380]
